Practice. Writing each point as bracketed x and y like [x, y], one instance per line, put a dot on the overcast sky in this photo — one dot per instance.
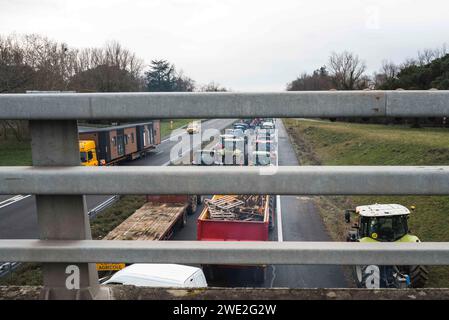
[244, 45]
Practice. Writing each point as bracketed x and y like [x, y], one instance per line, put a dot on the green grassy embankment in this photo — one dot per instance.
[177, 123]
[339, 143]
[15, 153]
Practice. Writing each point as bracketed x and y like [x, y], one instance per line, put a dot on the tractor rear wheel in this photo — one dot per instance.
[418, 275]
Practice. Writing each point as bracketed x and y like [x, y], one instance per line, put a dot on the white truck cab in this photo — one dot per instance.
[267, 125]
[159, 275]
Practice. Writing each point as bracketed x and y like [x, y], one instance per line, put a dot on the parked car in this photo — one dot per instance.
[159, 275]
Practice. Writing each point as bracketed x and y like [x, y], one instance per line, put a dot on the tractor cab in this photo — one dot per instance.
[380, 222]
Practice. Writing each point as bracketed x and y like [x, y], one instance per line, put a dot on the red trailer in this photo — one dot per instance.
[224, 226]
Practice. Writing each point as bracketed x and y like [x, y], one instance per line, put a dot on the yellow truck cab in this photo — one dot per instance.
[88, 154]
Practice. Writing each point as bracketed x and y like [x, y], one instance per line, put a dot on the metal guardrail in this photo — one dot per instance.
[63, 219]
[229, 252]
[64, 106]
[285, 180]
[105, 204]
[7, 267]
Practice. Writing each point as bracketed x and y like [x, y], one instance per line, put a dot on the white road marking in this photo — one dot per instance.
[13, 200]
[279, 218]
[278, 198]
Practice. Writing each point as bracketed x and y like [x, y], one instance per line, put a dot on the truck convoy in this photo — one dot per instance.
[224, 218]
[237, 217]
[110, 145]
[385, 223]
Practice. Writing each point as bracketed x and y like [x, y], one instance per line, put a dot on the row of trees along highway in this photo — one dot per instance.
[346, 71]
[34, 62]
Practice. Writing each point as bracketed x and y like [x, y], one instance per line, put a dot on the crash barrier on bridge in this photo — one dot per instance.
[60, 183]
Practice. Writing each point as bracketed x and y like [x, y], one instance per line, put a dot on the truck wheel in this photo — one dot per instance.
[418, 276]
[183, 220]
[191, 209]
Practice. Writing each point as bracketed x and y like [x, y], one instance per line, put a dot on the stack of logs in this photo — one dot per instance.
[241, 207]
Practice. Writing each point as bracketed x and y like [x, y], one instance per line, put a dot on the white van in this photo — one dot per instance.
[159, 275]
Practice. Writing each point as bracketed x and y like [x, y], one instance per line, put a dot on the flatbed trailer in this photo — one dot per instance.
[230, 229]
[156, 220]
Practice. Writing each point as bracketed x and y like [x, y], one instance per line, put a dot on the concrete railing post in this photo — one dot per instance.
[62, 217]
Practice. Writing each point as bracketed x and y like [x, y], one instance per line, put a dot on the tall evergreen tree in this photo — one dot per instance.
[161, 77]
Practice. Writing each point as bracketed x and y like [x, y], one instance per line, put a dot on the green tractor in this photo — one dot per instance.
[384, 223]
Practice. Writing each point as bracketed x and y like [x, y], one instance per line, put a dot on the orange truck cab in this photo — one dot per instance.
[88, 154]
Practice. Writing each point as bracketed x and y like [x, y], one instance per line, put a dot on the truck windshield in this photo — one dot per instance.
[388, 228]
[83, 156]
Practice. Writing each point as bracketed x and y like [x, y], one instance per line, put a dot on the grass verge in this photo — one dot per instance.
[360, 144]
[177, 123]
[15, 153]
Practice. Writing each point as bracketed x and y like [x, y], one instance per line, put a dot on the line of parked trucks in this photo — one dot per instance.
[223, 218]
[229, 217]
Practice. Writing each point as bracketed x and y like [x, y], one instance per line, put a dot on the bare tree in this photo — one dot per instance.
[212, 87]
[106, 69]
[184, 83]
[428, 55]
[113, 54]
[51, 60]
[15, 74]
[388, 72]
[346, 71]
[409, 62]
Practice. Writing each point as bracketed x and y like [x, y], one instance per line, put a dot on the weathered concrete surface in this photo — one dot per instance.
[19, 293]
[135, 293]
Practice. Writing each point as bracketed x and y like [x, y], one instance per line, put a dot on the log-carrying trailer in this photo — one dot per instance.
[236, 218]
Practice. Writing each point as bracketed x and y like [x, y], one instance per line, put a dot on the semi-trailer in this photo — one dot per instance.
[110, 145]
